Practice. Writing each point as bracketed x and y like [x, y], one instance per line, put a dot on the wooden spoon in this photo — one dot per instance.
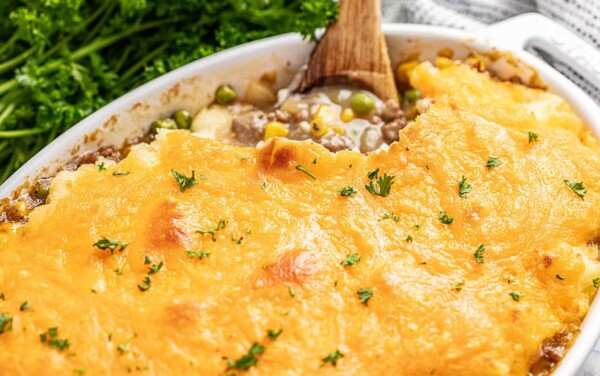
[353, 51]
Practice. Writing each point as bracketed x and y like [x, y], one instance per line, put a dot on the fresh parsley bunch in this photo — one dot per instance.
[60, 60]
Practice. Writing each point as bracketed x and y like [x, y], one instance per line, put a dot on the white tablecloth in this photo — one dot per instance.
[582, 16]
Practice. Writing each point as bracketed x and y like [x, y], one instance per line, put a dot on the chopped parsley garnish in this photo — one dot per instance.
[292, 292]
[364, 295]
[145, 285]
[595, 282]
[347, 191]
[221, 225]
[387, 215]
[510, 278]
[112, 244]
[155, 268]
[333, 357]
[300, 168]
[532, 137]
[236, 240]
[315, 161]
[183, 181]
[117, 173]
[384, 184]
[516, 295]
[264, 185]
[101, 167]
[493, 162]
[351, 259]
[558, 276]
[578, 188]
[273, 334]
[1, 296]
[445, 219]
[250, 359]
[147, 260]
[418, 225]
[458, 285]
[373, 174]
[51, 339]
[25, 306]
[119, 271]
[479, 254]
[123, 348]
[464, 187]
[199, 254]
[409, 238]
[5, 323]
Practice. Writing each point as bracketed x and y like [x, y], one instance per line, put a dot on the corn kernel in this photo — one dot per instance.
[318, 128]
[339, 129]
[446, 52]
[275, 129]
[476, 63]
[22, 209]
[443, 62]
[404, 69]
[347, 115]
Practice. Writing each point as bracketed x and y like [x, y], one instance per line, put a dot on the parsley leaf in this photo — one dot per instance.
[5, 323]
[387, 215]
[123, 348]
[112, 244]
[364, 295]
[300, 168]
[351, 259]
[155, 268]
[464, 187]
[273, 334]
[199, 254]
[596, 282]
[183, 181]
[532, 137]
[51, 339]
[493, 162]
[117, 173]
[373, 174]
[248, 360]
[25, 306]
[101, 167]
[221, 225]
[558, 276]
[385, 184]
[458, 285]
[479, 254]
[445, 219]
[1, 296]
[144, 286]
[347, 191]
[292, 292]
[516, 295]
[578, 188]
[333, 357]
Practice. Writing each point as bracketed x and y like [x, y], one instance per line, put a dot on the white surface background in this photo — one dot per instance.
[581, 16]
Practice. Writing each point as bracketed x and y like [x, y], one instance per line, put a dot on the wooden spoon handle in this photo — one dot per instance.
[353, 51]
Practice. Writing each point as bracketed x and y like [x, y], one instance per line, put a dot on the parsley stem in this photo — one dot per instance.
[16, 61]
[300, 168]
[17, 133]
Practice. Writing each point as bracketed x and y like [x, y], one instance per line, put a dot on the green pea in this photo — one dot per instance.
[225, 94]
[362, 103]
[412, 95]
[164, 123]
[183, 119]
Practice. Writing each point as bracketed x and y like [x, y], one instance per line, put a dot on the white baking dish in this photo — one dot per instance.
[192, 86]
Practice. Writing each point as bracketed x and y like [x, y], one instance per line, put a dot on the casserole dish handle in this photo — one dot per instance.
[538, 31]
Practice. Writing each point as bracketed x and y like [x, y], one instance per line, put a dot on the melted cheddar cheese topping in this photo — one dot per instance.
[272, 242]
